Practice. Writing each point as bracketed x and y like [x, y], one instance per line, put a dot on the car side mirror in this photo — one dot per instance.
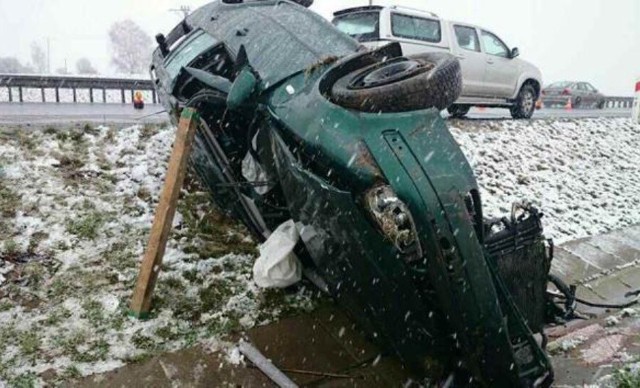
[514, 52]
[243, 89]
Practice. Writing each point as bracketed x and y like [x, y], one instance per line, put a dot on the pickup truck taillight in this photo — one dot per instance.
[566, 92]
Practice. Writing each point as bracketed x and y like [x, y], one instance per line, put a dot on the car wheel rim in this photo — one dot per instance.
[386, 73]
[527, 102]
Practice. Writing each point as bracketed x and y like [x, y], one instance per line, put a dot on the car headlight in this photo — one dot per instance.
[394, 220]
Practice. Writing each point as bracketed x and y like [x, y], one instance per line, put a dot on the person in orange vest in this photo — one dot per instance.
[138, 101]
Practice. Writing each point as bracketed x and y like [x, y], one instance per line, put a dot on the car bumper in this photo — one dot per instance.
[556, 100]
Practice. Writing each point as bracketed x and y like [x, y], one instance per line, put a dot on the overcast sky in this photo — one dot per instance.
[592, 40]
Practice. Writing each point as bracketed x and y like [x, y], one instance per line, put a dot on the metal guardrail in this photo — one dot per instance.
[57, 82]
[618, 102]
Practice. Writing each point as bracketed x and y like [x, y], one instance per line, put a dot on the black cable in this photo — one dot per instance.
[569, 296]
[603, 305]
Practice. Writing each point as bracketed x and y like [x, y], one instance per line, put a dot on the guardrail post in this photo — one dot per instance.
[10, 94]
[132, 95]
[57, 95]
[91, 95]
[104, 95]
[122, 95]
[74, 95]
[20, 93]
[153, 96]
[42, 94]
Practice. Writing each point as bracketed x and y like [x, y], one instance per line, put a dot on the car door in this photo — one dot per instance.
[472, 61]
[501, 74]
[584, 94]
[591, 96]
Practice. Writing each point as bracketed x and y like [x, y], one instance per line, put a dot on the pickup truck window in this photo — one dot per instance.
[494, 46]
[467, 38]
[363, 26]
[412, 27]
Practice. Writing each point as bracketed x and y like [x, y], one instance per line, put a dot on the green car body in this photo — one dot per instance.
[427, 290]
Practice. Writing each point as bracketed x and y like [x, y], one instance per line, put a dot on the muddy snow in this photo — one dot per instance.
[583, 174]
[75, 211]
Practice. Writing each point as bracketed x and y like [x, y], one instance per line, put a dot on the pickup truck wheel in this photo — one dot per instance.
[525, 103]
[401, 84]
[458, 111]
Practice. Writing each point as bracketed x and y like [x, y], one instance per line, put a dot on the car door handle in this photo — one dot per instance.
[460, 56]
[490, 61]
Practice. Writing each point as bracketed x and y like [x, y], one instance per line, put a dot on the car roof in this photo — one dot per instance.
[280, 37]
[358, 9]
[379, 7]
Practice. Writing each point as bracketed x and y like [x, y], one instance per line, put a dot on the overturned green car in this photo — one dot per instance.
[299, 121]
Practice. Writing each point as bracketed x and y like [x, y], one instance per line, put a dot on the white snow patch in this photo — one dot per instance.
[583, 174]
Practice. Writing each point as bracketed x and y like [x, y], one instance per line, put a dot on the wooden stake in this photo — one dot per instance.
[152, 261]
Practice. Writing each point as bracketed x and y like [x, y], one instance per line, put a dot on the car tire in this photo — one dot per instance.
[577, 102]
[458, 111]
[525, 103]
[431, 80]
[601, 104]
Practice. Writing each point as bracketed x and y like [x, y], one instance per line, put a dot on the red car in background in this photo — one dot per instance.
[580, 94]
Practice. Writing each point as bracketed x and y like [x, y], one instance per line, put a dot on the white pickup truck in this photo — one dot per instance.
[492, 74]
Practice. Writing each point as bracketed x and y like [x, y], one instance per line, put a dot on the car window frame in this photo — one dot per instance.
[475, 31]
[368, 37]
[177, 49]
[438, 21]
[484, 49]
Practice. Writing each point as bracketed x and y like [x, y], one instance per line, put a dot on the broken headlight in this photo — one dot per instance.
[394, 221]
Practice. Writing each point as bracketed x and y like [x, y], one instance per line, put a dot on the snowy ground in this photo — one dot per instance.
[76, 207]
[583, 174]
[75, 211]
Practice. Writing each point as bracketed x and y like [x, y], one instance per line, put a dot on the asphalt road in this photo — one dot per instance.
[34, 113]
[51, 113]
[550, 113]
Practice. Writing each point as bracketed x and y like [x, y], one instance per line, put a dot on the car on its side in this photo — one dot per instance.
[298, 121]
[492, 73]
[581, 95]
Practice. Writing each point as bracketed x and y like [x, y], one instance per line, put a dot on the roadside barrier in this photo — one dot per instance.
[635, 112]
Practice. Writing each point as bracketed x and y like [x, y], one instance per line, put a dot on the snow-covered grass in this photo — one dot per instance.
[583, 174]
[76, 208]
[75, 211]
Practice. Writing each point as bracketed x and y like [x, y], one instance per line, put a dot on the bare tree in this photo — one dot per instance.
[131, 47]
[84, 66]
[12, 65]
[38, 58]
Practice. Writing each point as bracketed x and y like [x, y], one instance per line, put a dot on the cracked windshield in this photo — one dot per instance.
[300, 193]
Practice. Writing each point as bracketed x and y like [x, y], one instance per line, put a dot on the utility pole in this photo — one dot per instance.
[48, 55]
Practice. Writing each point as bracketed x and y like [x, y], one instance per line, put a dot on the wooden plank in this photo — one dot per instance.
[152, 261]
